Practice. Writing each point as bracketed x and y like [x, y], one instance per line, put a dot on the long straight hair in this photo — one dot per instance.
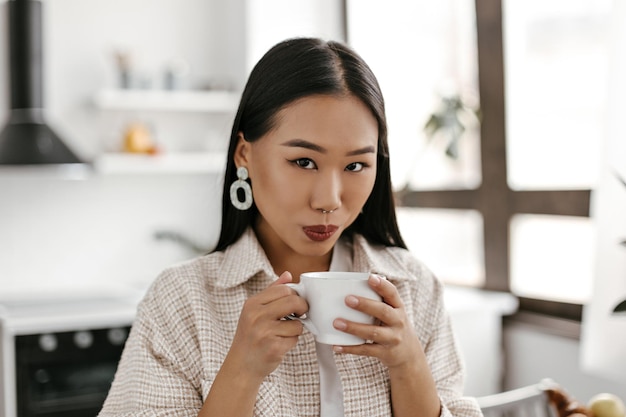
[298, 68]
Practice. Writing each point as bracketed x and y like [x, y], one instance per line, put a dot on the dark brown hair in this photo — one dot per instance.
[298, 68]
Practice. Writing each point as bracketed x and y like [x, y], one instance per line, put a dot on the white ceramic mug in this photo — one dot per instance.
[325, 292]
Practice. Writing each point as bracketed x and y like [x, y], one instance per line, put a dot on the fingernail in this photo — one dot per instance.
[352, 301]
[375, 279]
[338, 349]
[340, 324]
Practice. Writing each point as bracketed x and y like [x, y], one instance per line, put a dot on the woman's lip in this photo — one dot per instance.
[320, 232]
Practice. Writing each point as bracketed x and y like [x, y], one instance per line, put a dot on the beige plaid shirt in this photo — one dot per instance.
[187, 320]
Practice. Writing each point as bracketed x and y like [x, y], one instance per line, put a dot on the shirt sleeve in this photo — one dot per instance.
[445, 360]
[156, 376]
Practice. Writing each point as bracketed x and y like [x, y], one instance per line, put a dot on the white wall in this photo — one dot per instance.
[59, 235]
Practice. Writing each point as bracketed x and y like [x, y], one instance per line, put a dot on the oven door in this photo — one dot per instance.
[66, 374]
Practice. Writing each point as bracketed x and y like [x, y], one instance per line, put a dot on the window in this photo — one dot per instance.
[556, 71]
[520, 189]
[424, 53]
[268, 22]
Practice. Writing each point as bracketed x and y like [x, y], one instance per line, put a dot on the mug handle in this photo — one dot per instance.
[305, 321]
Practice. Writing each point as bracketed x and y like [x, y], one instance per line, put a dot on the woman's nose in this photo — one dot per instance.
[327, 193]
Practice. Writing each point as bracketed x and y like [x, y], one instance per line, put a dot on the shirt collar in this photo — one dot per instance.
[242, 260]
[378, 259]
[246, 258]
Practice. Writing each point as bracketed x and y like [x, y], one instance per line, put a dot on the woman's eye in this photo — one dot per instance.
[355, 167]
[305, 163]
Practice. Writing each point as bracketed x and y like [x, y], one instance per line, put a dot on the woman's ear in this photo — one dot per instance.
[242, 151]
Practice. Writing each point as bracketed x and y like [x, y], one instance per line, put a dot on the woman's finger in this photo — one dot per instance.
[377, 334]
[385, 289]
[284, 278]
[289, 328]
[285, 306]
[384, 313]
[275, 290]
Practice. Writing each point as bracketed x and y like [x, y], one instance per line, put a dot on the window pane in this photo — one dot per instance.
[449, 242]
[556, 63]
[421, 53]
[268, 22]
[551, 257]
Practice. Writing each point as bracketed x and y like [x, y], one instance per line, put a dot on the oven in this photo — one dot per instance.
[58, 357]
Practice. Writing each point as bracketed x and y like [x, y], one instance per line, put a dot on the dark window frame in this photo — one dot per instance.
[493, 198]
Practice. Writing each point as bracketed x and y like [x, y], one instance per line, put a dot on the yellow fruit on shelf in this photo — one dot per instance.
[607, 405]
[137, 139]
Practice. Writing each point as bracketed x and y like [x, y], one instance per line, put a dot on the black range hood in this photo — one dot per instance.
[26, 139]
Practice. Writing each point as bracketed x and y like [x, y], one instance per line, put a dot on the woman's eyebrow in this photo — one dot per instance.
[367, 149]
[301, 143]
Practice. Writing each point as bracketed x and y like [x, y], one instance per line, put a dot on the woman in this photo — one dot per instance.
[307, 188]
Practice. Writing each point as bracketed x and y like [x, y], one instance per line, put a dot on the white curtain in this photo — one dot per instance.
[604, 332]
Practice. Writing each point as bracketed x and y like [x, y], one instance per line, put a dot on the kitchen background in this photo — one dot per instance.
[80, 246]
[60, 233]
[110, 231]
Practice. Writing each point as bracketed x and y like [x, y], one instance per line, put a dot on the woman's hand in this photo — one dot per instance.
[261, 340]
[262, 337]
[395, 343]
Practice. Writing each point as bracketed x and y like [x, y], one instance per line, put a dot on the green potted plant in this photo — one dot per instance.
[449, 120]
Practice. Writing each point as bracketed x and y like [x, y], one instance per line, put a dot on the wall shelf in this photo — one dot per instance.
[213, 101]
[167, 163]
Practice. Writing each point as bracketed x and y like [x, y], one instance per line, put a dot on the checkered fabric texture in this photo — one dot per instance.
[187, 320]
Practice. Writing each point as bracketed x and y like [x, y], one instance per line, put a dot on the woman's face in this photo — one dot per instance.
[321, 155]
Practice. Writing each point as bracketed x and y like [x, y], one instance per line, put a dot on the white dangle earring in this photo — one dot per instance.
[241, 184]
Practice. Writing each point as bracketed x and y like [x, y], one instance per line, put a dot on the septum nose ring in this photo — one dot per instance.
[327, 211]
